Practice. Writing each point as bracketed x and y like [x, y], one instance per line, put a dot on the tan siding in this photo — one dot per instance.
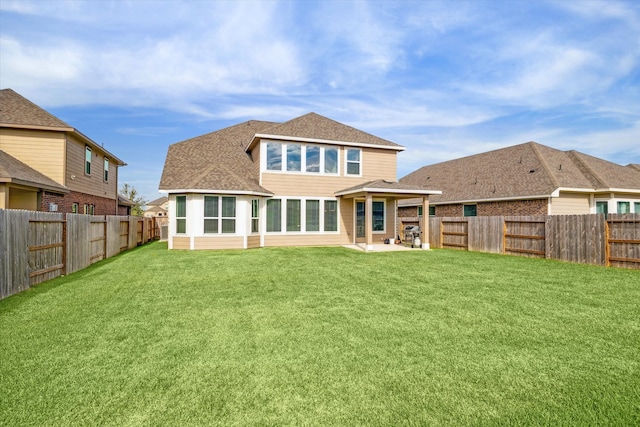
[378, 164]
[255, 156]
[570, 204]
[306, 240]
[94, 183]
[181, 243]
[253, 241]
[234, 242]
[23, 199]
[346, 219]
[42, 150]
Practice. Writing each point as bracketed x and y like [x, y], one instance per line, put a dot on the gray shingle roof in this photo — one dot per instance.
[14, 171]
[159, 201]
[18, 110]
[520, 171]
[316, 127]
[215, 161]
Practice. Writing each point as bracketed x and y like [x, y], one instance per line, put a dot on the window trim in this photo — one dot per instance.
[282, 223]
[87, 160]
[464, 210]
[384, 216]
[181, 218]
[347, 161]
[284, 158]
[220, 217]
[623, 202]
[255, 216]
[106, 169]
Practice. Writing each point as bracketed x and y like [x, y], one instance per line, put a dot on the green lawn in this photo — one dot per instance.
[323, 336]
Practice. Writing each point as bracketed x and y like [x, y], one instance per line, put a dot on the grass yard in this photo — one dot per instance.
[323, 336]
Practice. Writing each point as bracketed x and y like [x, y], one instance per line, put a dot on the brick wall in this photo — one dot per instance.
[103, 205]
[506, 208]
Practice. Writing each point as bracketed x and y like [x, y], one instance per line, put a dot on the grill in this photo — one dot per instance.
[411, 233]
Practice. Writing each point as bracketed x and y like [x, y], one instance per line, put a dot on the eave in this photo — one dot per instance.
[257, 137]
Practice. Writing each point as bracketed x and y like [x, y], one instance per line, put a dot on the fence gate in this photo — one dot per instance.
[623, 241]
[524, 236]
[47, 249]
[454, 234]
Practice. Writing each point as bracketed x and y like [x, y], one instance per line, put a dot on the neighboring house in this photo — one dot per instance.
[158, 209]
[526, 179]
[124, 205]
[308, 181]
[85, 174]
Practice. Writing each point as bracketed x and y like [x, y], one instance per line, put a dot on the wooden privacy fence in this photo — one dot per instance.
[613, 240]
[38, 246]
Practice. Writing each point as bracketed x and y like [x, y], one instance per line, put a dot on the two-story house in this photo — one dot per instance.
[310, 181]
[82, 177]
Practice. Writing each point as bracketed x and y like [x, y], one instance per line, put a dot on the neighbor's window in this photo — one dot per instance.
[211, 214]
[312, 158]
[470, 210]
[181, 214]
[294, 163]
[87, 160]
[353, 161]
[330, 215]
[330, 160]
[274, 156]
[419, 210]
[106, 169]
[432, 211]
[86, 209]
[293, 215]
[377, 213]
[312, 221]
[624, 207]
[636, 207]
[74, 208]
[602, 207]
[255, 216]
[274, 215]
[92, 209]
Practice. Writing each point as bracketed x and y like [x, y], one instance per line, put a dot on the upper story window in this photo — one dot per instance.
[330, 160]
[106, 169]
[353, 161]
[87, 160]
[293, 157]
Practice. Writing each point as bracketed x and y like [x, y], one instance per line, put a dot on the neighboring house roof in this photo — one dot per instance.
[155, 210]
[17, 111]
[124, 201]
[14, 171]
[159, 201]
[528, 170]
[216, 161]
[313, 127]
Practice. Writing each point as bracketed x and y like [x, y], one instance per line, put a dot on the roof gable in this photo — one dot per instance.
[314, 127]
[215, 161]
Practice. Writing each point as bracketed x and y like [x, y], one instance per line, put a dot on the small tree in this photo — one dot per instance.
[130, 192]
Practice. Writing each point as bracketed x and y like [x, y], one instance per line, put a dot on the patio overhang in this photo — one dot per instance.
[391, 190]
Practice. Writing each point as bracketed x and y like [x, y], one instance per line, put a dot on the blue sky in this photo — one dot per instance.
[444, 79]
